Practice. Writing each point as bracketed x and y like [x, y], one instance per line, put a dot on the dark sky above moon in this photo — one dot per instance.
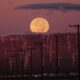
[52, 6]
[17, 21]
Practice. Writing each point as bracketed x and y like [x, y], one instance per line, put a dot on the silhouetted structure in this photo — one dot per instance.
[55, 53]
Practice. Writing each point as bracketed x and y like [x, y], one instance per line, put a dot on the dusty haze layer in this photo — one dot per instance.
[18, 21]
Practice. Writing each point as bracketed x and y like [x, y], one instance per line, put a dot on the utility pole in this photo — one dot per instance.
[31, 52]
[11, 67]
[57, 55]
[41, 46]
[78, 45]
[21, 54]
[41, 58]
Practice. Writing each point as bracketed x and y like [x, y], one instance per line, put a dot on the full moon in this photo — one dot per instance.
[39, 25]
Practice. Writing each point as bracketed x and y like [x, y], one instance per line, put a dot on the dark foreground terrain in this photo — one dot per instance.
[40, 78]
[46, 78]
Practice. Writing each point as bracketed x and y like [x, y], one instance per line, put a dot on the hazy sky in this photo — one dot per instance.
[36, 1]
[14, 21]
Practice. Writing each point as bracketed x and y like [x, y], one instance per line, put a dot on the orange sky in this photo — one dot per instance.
[17, 21]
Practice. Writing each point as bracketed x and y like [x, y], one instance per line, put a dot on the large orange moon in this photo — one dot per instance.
[39, 25]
